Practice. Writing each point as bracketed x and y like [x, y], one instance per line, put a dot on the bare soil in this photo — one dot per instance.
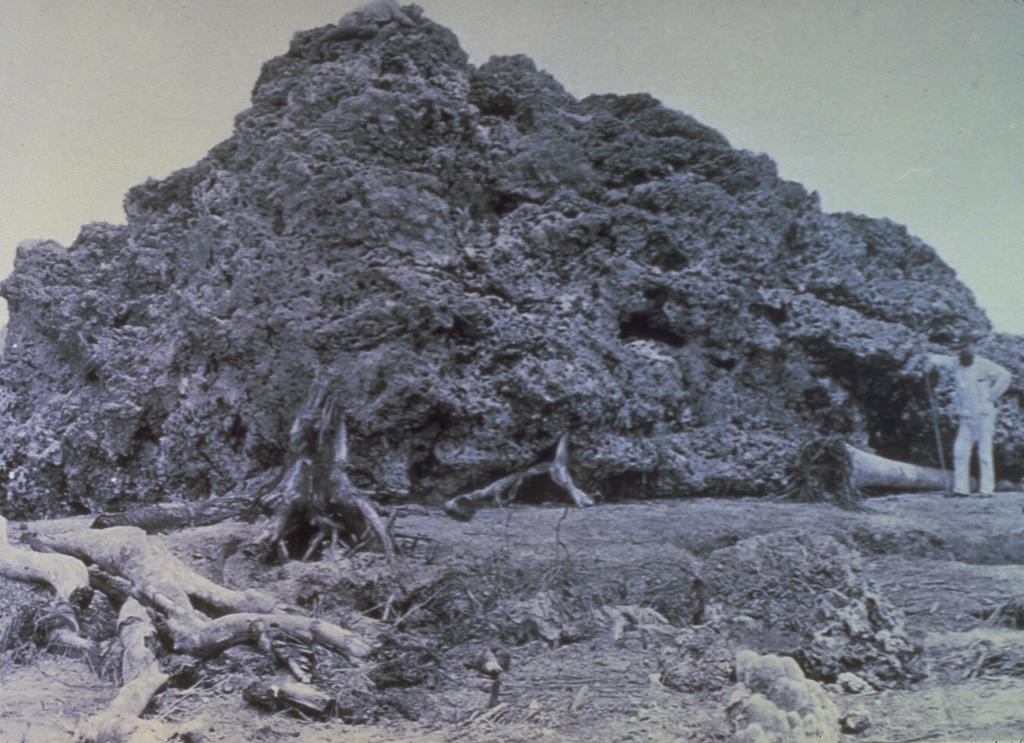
[563, 592]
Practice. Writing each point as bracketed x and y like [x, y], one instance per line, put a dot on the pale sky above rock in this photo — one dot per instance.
[906, 109]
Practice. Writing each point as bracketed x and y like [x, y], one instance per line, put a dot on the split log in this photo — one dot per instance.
[292, 650]
[463, 507]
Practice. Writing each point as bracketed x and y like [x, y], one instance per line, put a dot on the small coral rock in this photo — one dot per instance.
[774, 701]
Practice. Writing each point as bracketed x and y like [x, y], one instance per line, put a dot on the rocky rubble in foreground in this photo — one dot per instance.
[480, 263]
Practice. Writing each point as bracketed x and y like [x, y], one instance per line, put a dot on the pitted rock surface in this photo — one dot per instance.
[481, 262]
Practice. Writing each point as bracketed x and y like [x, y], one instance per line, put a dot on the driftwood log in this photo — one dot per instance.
[69, 580]
[503, 490]
[141, 679]
[201, 617]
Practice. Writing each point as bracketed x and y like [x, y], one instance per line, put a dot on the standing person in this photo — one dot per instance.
[978, 384]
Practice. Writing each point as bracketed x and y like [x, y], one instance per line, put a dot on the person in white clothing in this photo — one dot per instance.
[978, 385]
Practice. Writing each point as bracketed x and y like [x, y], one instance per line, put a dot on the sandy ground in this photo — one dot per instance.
[947, 564]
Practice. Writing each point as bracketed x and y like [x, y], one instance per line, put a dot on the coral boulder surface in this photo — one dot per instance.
[476, 263]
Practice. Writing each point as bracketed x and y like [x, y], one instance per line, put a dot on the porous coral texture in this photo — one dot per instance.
[480, 263]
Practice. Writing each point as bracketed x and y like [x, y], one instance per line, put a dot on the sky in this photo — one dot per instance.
[907, 109]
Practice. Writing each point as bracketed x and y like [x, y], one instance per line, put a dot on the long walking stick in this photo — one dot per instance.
[938, 434]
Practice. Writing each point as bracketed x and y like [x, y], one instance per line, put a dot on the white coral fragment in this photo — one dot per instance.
[773, 701]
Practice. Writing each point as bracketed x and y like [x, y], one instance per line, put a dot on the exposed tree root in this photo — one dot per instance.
[314, 501]
[138, 638]
[159, 579]
[122, 721]
[560, 474]
[823, 471]
[463, 507]
[156, 577]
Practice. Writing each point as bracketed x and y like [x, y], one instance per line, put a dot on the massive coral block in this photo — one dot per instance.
[480, 263]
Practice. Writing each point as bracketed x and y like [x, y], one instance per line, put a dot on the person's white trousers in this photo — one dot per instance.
[974, 431]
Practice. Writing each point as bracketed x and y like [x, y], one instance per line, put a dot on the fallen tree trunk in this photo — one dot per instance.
[831, 470]
[872, 471]
[213, 636]
[163, 517]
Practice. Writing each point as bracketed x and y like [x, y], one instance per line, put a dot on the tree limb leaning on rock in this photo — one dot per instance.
[463, 507]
